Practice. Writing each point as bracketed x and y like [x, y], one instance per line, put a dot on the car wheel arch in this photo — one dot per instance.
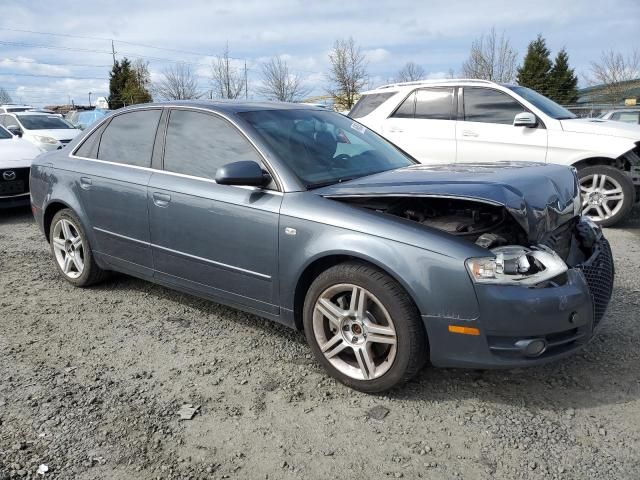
[322, 263]
[50, 211]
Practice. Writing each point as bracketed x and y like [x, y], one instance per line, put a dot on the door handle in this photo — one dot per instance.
[85, 183]
[161, 199]
[469, 133]
[396, 130]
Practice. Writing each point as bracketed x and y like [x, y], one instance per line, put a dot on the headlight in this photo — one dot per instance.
[49, 140]
[517, 266]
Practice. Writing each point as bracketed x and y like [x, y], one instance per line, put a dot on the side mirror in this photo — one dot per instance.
[525, 119]
[16, 130]
[245, 172]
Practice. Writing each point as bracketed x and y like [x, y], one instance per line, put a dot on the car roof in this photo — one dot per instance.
[229, 106]
[33, 112]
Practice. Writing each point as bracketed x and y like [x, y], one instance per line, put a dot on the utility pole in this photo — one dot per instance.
[113, 52]
[246, 90]
[89, 98]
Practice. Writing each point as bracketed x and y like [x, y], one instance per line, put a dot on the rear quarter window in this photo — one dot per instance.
[368, 103]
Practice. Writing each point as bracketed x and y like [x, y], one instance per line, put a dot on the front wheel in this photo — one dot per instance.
[607, 194]
[363, 327]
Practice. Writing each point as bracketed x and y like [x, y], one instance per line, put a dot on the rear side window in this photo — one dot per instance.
[129, 137]
[368, 103]
[434, 103]
[489, 106]
[199, 143]
[408, 108]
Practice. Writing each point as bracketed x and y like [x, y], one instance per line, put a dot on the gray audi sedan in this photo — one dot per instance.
[308, 218]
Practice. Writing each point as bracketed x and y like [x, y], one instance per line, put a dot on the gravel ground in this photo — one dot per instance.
[91, 383]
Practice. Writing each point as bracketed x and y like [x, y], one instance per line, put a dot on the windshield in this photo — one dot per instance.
[5, 134]
[545, 104]
[43, 122]
[323, 148]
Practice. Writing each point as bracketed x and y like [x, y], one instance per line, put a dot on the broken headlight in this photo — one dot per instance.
[514, 265]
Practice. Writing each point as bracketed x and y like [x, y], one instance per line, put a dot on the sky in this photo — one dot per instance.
[39, 68]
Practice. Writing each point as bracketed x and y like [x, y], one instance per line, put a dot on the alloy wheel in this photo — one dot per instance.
[602, 196]
[354, 331]
[68, 248]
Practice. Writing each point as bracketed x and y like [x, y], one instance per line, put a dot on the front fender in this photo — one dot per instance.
[568, 148]
[438, 284]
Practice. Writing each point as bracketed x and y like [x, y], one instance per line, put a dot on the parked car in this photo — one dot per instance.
[381, 261]
[461, 121]
[84, 118]
[12, 107]
[627, 115]
[16, 155]
[45, 131]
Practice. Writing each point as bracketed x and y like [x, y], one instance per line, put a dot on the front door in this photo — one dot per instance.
[424, 125]
[215, 239]
[486, 134]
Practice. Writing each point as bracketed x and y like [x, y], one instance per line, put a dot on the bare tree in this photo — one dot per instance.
[491, 58]
[4, 96]
[451, 74]
[178, 83]
[616, 73]
[279, 83]
[228, 81]
[411, 72]
[348, 72]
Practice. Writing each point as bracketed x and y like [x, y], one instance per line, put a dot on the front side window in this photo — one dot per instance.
[545, 104]
[489, 106]
[368, 103]
[129, 138]
[322, 148]
[434, 103]
[5, 134]
[198, 144]
[627, 117]
[44, 122]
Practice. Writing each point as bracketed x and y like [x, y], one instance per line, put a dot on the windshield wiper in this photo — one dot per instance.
[311, 186]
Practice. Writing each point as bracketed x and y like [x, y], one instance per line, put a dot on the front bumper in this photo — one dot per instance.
[563, 316]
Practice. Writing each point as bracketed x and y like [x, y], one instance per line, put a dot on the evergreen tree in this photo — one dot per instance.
[536, 67]
[564, 82]
[128, 84]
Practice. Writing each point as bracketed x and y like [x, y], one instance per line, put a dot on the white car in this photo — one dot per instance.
[460, 121]
[16, 156]
[45, 131]
[14, 107]
[627, 115]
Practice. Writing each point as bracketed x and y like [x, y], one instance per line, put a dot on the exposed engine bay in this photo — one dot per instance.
[486, 225]
[515, 260]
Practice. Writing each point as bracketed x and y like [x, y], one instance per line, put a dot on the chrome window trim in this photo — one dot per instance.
[195, 257]
[272, 171]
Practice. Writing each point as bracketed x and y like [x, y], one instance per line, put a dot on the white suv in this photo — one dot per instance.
[461, 121]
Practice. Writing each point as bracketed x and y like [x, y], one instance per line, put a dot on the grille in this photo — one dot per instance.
[17, 185]
[599, 273]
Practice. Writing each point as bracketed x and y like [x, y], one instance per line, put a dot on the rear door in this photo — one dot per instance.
[424, 125]
[486, 133]
[113, 173]
[220, 240]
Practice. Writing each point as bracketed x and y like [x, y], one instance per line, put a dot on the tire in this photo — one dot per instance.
[607, 194]
[358, 335]
[71, 250]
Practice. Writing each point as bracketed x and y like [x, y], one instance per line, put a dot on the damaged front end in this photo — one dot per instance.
[513, 256]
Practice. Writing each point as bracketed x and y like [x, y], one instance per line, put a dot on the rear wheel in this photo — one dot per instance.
[607, 194]
[71, 250]
[363, 327]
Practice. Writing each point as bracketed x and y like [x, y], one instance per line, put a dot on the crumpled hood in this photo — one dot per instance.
[598, 126]
[17, 153]
[540, 197]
